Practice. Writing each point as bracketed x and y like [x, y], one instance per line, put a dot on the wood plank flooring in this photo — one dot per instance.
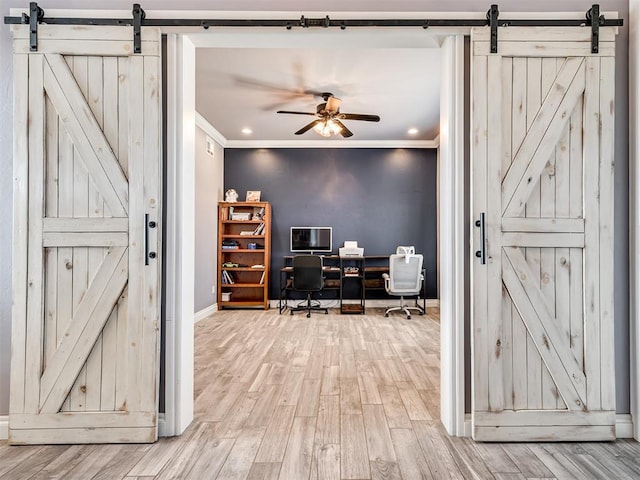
[330, 397]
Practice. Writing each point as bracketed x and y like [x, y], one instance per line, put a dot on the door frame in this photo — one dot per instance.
[179, 260]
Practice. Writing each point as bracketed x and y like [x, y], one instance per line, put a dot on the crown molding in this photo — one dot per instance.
[332, 144]
[210, 130]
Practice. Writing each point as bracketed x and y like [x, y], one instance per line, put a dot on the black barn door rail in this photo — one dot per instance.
[138, 20]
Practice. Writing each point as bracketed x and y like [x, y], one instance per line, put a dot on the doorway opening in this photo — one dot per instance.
[179, 264]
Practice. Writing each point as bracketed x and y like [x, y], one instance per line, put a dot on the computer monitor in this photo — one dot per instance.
[311, 239]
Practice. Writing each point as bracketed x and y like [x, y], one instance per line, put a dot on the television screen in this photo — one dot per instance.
[311, 239]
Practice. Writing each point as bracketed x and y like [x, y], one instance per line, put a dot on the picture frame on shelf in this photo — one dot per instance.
[253, 195]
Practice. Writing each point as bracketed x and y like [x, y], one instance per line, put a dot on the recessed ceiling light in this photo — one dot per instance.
[247, 131]
[412, 131]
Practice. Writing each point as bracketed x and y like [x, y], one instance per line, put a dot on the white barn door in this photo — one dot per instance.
[542, 170]
[85, 342]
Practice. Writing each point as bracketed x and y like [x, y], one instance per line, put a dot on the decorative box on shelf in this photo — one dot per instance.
[241, 216]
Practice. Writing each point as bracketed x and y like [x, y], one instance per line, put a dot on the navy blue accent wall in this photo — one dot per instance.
[380, 197]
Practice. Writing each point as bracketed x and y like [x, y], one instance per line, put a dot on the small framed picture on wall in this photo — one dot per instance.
[253, 195]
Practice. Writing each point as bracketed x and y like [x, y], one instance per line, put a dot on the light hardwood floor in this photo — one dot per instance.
[330, 397]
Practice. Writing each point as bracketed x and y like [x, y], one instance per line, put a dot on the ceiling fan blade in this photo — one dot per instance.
[296, 113]
[333, 104]
[308, 127]
[344, 131]
[359, 116]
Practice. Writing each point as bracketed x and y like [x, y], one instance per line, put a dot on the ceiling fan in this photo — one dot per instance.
[329, 118]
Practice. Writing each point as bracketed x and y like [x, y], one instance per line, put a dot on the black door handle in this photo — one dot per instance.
[147, 225]
[482, 253]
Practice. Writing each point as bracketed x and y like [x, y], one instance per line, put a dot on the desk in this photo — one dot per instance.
[368, 278]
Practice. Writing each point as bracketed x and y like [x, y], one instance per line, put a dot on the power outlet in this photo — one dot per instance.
[213, 289]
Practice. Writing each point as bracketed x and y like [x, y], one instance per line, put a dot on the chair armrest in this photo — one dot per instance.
[386, 278]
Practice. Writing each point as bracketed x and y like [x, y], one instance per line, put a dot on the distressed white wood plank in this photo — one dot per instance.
[85, 239]
[494, 247]
[544, 225]
[86, 134]
[150, 340]
[509, 92]
[561, 260]
[543, 240]
[534, 365]
[135, 325]
[111, 129]
[34, 330]
[63, 436]
[546, 49]
[519, 336]
[607, 341]
[531, 303]
[117, 48]
[543, 136]
[592, 220]
[82, 32]
[82, 420]
[91, 314]
[95, 100]
[555, 34]
[546, 418]
[65, 255]
[20, 252]
[480, 272]
[78, 393]
[72, 225]
[549, 392]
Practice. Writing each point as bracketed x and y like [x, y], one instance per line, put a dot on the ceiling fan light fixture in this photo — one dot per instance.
[327, 128]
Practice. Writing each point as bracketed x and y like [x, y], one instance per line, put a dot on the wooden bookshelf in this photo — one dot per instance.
[239, 229]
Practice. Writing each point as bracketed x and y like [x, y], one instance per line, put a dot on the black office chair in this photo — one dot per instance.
[308, 277]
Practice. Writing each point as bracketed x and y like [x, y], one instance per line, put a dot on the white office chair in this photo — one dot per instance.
[404, 279]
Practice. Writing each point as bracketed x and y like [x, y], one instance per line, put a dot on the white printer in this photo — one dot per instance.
[351, 249]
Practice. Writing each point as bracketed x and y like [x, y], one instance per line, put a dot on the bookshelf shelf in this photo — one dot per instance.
[246, 286]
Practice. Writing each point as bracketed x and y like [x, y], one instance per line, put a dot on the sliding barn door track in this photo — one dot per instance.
[138, 20]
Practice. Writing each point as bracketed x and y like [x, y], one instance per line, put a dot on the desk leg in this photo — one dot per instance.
[283, 297]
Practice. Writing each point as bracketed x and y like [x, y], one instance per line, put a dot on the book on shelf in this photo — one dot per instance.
[227, 278]
[262, 279]
[259, 229]
[247, 232]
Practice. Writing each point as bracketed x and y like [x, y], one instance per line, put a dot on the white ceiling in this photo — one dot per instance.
[244, 87]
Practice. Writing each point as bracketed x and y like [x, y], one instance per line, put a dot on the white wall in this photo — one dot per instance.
[208, 192]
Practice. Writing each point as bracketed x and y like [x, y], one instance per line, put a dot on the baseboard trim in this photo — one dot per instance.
[205, 312]
[4, 427]
[624, 425]
[467, 425]
[334, 303]
[162, 426]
